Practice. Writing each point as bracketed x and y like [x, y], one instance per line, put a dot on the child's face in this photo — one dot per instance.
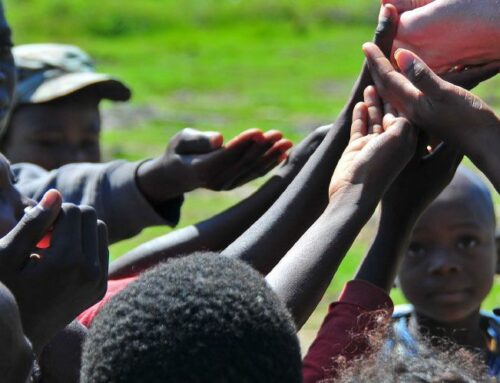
[12, 203]
[451, 261]
[55, 134]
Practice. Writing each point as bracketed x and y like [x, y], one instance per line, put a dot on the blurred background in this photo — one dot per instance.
[224, 65]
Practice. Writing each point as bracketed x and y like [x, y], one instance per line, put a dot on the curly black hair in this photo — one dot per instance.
[202, 318]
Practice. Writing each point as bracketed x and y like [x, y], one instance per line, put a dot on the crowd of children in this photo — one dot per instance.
[222, 300]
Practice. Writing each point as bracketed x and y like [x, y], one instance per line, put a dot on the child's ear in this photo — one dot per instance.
[497, 240]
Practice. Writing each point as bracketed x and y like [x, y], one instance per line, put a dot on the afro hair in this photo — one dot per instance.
[201, 318]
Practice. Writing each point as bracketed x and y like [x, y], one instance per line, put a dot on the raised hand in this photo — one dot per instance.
[52, 286]
[412, 191]
[441, 108]
[197, 159]
[447, 33]
[379, 148]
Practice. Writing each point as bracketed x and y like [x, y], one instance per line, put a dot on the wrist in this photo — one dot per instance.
[157, 181]
[484, 149]
[355, 196]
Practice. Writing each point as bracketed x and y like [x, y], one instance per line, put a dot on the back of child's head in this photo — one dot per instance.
[443, 363]
[202, 318]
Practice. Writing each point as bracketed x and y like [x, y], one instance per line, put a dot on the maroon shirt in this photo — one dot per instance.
[342, 333]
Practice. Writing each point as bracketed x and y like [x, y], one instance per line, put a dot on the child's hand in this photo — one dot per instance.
[54, 285]
[379, 148]
[197, 159]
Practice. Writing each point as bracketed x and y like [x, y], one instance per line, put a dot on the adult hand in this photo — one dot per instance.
[53, 285]
[447, 33]
[380, 145]
[197, 159]
[423, 178]
[442, 109]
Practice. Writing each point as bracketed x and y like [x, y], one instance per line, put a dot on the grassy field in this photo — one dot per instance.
[224, 65]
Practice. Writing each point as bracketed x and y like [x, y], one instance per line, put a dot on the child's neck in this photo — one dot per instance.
[466, 332]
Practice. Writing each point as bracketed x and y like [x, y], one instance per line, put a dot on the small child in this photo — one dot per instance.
[449, 270]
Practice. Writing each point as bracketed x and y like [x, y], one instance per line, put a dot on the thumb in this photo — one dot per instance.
[192, 141]
[22, 239]
[417, 71]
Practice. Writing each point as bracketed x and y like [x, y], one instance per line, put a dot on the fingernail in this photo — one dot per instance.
[404, 60]
[50, 199]
[216, 140]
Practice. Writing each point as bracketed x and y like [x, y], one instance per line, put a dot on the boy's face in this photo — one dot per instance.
[55, 134]
[450, 264]
[7, 69]
[12, 203]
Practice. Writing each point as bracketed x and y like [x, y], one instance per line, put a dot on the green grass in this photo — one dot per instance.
[224, 65]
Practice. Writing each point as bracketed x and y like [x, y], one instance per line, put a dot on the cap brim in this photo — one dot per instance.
[108, 87]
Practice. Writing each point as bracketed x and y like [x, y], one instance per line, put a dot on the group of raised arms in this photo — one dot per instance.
[222, 300]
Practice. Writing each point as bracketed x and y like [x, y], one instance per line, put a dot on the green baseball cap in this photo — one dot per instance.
[46, 72]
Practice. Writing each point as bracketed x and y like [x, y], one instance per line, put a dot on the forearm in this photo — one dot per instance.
[381, 264]
[484, 151]
[213, 234]
[303, 275]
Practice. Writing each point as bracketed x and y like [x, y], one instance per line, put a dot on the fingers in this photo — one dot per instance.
[359, 127]
[387, 28]
[407, 5]
[22, 239]
[255, 135]
[374, 105]
[255, 162]
[472, 76]
[392, 86]
[102, 235]
[420, 75]
[192, 141]
[89, 230]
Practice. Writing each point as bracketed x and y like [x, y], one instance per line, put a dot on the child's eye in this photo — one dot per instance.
[416, 250]
[467, 242]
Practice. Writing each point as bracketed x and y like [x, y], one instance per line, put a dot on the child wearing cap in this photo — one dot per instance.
[55, 118]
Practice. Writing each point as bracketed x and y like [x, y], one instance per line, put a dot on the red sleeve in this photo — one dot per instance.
[348, 317]
[114, 287]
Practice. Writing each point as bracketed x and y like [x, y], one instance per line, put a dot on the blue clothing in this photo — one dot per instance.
[490, 323]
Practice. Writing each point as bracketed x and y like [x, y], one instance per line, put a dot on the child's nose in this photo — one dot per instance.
[442, 263]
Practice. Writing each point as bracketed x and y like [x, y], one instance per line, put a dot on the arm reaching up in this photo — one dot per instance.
[375, 147]
[414, 189]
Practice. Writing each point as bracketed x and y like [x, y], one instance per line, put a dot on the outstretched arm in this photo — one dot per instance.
[216, 233]
[303, 275]
[265, 242]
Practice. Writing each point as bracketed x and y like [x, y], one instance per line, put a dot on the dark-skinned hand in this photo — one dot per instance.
[424, 177]
[196, 159]
[442, 109]
[52, 286]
